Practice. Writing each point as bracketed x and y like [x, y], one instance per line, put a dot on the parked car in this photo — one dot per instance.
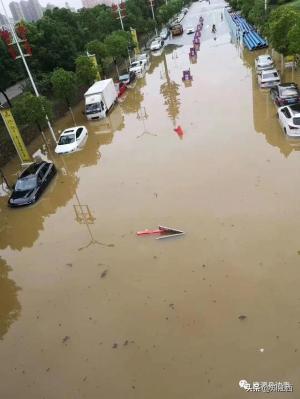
[71, 140]
[268, 78]
[185, 10]
[164, 34]
[289, 118]
[189, 30]
[176, 29]
[31, 183]
[121, 88]
[285, 93]
[138, 67]
[157, 44]
[263, 62]
[127, 78]
[145, 57]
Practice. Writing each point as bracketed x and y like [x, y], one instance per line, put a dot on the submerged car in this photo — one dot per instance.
[263, 62]
[285, 93]
[164, 34]
[127, 78]
[31, 183]
[71, 140]
[138, 67]
[289, 118]
[157, 44]
[268, 78]
[176, 29]
[120, 88]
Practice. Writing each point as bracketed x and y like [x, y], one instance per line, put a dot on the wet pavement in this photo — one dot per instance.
[89, 310]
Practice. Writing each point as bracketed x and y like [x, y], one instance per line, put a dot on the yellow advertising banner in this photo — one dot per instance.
[15, 135]
[94, 60]
[135, 41]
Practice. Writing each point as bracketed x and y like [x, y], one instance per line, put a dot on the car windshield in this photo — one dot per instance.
[66, 139]
[135, 64]
[25, 184]
[91, 108]
[296, 121]
[289, 92]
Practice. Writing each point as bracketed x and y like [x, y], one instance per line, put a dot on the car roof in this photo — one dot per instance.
[292, 84]
[264, 56]
[295, 108]
[32, 169]
[269, 71]
[71, 130]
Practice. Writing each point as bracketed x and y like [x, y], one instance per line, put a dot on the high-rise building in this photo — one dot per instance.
[93, 3]
[16, 11]
[36, 9]
[3, 20]
[27, 12]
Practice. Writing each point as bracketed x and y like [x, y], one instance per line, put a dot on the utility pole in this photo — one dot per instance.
[16, 39]
[153, 15]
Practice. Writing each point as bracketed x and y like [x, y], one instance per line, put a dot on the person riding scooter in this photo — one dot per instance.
[214, 29]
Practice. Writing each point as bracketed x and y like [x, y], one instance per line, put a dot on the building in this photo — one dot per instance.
[16, 11]
[3, 20]
[36, 9]
[29, 11]
[26, 11]
[93, 3]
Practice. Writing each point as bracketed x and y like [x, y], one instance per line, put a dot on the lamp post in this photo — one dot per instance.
[15, 37]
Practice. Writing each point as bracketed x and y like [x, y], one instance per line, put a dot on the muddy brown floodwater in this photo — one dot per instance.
[89, 310]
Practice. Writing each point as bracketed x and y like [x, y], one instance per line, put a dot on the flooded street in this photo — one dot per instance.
[90, 310]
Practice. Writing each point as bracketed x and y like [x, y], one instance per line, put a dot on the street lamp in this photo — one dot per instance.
[15, 37]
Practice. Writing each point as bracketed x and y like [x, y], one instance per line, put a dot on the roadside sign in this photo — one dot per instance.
[15, 135]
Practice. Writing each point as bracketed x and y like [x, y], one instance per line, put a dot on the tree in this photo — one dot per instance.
[85, 70]
[33, 111]
[64, 86]
[117, 44]
[282, 20]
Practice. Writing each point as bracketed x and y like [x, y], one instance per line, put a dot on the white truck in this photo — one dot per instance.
[99, 99]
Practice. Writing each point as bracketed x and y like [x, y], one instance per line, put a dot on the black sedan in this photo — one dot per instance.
[285, 94]
[31, 183]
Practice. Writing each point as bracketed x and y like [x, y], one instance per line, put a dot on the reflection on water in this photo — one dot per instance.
[10, 307]
[170, 92]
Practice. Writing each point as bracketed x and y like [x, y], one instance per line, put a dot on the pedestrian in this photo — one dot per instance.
[221, 16]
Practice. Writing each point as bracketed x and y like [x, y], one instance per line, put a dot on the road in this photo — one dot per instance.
[89, 310]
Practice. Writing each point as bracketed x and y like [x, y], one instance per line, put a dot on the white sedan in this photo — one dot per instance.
[289, 118]
[71, 140]
[157, 44]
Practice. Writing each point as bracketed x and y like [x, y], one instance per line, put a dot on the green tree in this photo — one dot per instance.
[117, 44]
[64, 85]
[282, 20]
[85, 70]
[32, 111]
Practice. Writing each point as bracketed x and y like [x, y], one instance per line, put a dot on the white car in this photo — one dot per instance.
[139, 67]
[164, 34]
[157, 44]
[264, 62]
[268, 78]
[71, 140]
[289, 119]
[145, 57]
